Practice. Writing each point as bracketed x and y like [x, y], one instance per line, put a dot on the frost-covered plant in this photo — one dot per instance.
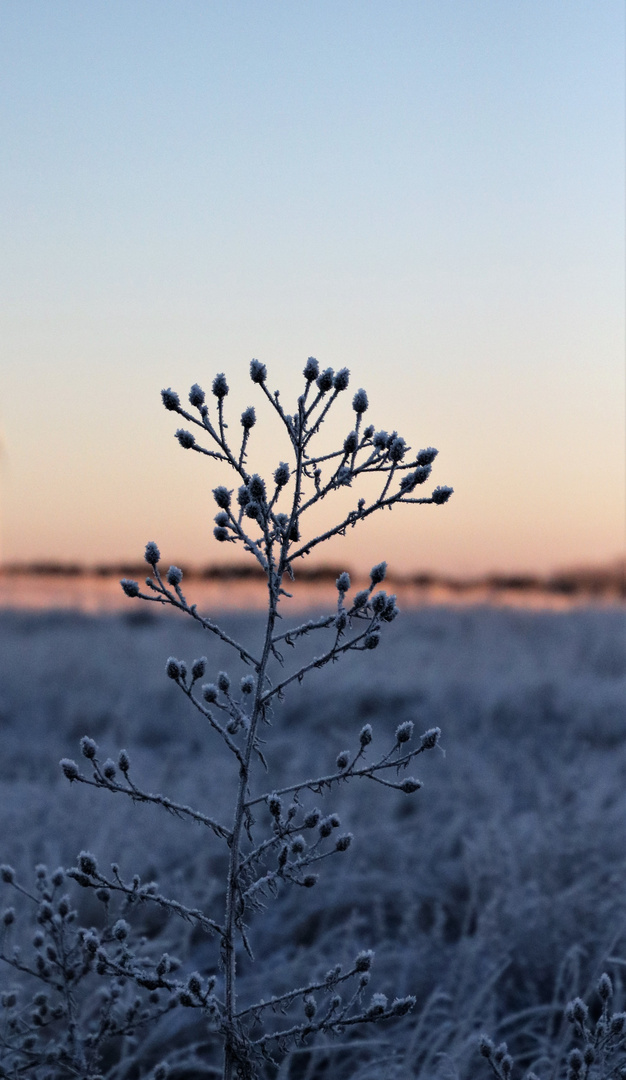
[274, 837]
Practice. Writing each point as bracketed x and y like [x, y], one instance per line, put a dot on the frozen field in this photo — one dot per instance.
[494, 894]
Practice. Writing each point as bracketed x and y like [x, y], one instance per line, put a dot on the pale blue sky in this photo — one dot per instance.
[430, 193]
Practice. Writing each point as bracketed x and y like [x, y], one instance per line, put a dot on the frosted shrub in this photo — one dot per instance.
[274, 838]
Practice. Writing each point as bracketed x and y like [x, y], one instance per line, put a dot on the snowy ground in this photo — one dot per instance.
[494, 894]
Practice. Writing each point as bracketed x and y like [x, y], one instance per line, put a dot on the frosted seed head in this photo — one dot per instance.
[123, 761]
[172, 668]
[499, 1052]
[325, 828]
[130, 587]
[185, 438]
[605, 987]
[410, 785]
[618, 1023]
[258, 371]
[380, 440]
[247, 684]
[379, 600]
[222, 496]
[378, 573]
[377, 1005]
[174, 575]
[343, 582]
[418, 476]
[311, 819]
[360, 402]
[7, 873]
[430, 738]
[198, 667]
[210, 692]
[220, 386]
[220, 533]
[441, 495]
[109, 769]
[343, 759]
[341, 621]
[70, 768]
[243, 496]
[121, 930]
[274, 805]
[371, 640]
[9, 1000]
[404, 731]
[361, 599]
[575, 1061]
[170, 399]
[589, 1055]
[391, 611]
[343, 476]
[298, 845]
[310, 1006]
[253, 510]
[576, 1011]
[88, 747]
[401, 1006]
[365, 735]
[311, 370]
[343, 842]
[256, 487]
[223, 681]
[152, 553]
[506, 1065]
[194, 984]
[87, 864]
[248, 418]
[196, 395]
[341, 379]
[363, 961]
[282, 474]
[350, 443]
[325, 380]
[427, 456]
[397, 449]
[310, 880]
[221, 519]
[368, 432]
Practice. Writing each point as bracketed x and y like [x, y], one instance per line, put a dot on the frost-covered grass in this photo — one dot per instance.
[495, 894]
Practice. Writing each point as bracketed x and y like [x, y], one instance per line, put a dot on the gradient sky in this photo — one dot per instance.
[429, 193]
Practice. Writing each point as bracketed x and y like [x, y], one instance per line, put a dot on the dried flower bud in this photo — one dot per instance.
[343, 759]
[130, 587]
[256, 487]
[441, 495]
[343, 582]
[109, 769]
[341, 379]
[222, 496]
[86, 862]
[247, 684]
[427, 456]
[223, 681]
[412, 479]
[350, 443]
[360, 402]
[325, 380]
[210, 692]
[311, 819]
[221, 519]
[298, 845]
[576, 1011]
[325, 828]
[88, 747]
[185, 438]
[618, 1022]
[364, 960]
[430, 738]
[371, 640]
[120, 930]
[368, 431]
[253, 510]
[410, 785]
[343, 842]
[196, 395]
[378, 573]
[258, 371]
[589, 1055]
[361, 599]
[309, 881]
[378, 602]
[194, 984]
[377, 1005]
[605, 987]
[170, 399]
[575, 1061]
[365, 736]
[7, 873]
[397, 449]
[274, 805]
[174, 575]
[404, 731]
[310, 1006]
[152, 553]
[172, 668]
[282, 474]
[123, 761]
[220, 386]
[506, 1065]
[311, 370]
[198, 668]
[381, 438]
[248, 418]
[70, 768]
[221, 534]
